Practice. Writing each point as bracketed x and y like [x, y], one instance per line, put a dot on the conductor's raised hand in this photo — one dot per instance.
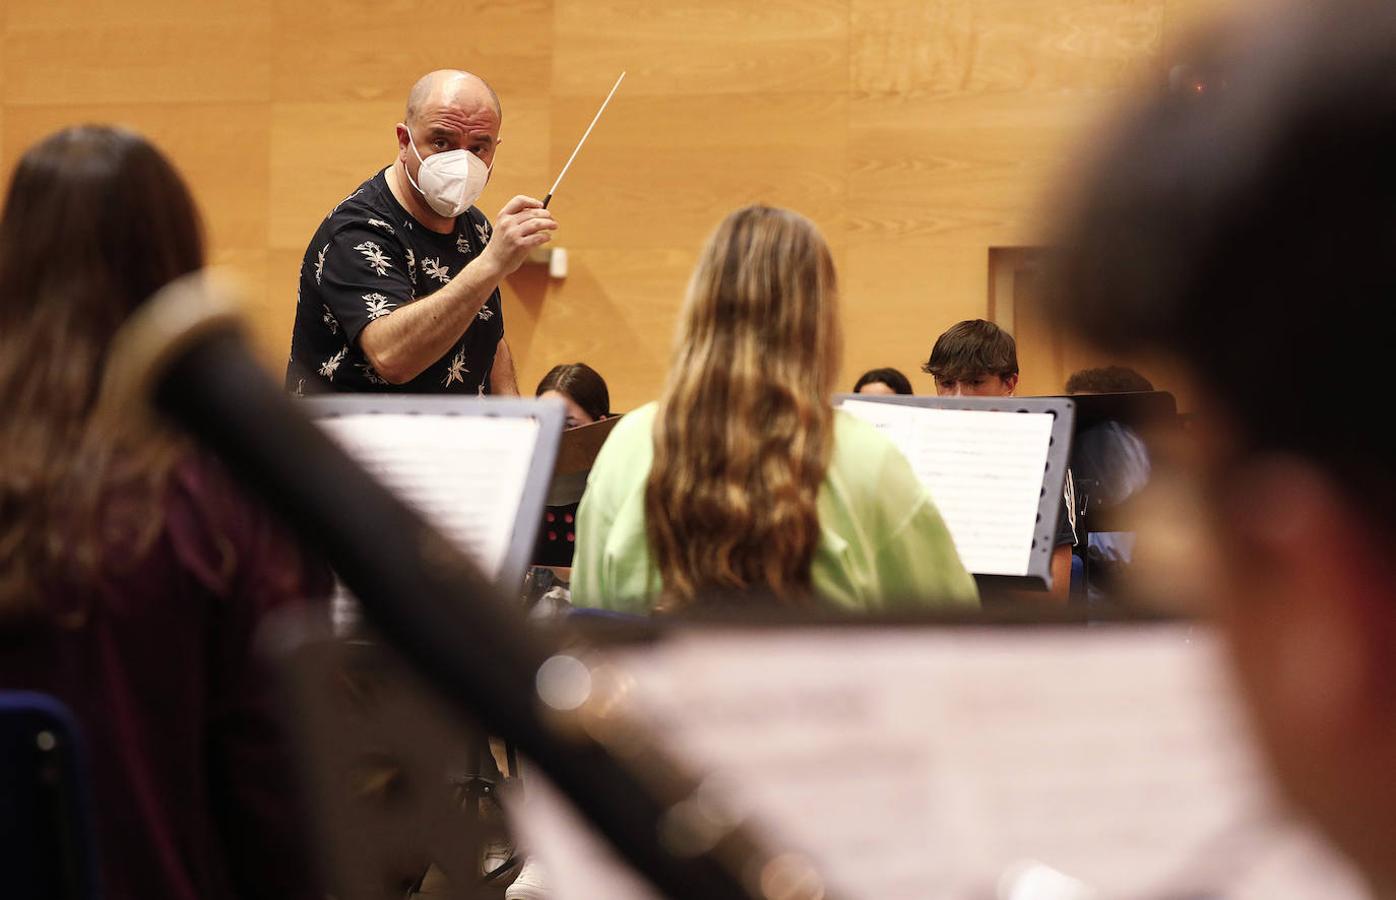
[521, 225]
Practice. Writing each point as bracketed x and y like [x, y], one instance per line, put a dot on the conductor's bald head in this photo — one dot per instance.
[447, 110]
[449, 87]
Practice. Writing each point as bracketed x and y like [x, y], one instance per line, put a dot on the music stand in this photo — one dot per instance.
[1038, 572]
[1146, 414]
[548, 415]
[465, 762]
[935, 756]
[1111, 463]
[575, 456]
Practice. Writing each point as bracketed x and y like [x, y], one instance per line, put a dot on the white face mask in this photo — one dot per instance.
[451, 180]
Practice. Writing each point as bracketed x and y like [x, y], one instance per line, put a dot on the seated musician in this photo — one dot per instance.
[584, 395]
[133, 576]
[886, 382]
[976, 358]
[582, 391]
[1109, 465]
[743, 477]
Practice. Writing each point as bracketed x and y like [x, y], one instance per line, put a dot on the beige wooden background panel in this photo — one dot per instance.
[222, 149]
[956, 46]
[320, 152]
[916, 134]
[170, 60]
[666, 169]
[375, 49]
[61, 13]
[702, 46]
[623, 325]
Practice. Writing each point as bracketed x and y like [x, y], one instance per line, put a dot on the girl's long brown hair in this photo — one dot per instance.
[745, 427]
[94, 222]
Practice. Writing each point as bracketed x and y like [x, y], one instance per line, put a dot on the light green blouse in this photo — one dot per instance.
[883, 545]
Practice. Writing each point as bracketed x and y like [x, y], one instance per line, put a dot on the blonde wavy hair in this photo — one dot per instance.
[745, 428]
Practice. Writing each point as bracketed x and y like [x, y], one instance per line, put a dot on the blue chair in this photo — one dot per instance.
[47, 848]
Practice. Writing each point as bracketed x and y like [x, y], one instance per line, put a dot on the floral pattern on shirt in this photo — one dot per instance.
[374, 256]
[365, 261]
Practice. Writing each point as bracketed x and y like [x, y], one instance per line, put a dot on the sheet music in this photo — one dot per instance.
[984, 471]
[465, 474]
[927, 764]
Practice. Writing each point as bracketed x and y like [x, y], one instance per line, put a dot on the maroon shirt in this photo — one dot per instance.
[193, 790]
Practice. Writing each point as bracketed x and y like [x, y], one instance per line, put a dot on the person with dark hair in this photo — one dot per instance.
[882, 381]
[1107, 380]
[1243, 230]
[582, 392]
[132, 576]
[743, 478]
[581, 389]
[974, 358]
[399, 287]
[1109, 464]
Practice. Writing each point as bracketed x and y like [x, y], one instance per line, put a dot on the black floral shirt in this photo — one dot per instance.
[368, 258]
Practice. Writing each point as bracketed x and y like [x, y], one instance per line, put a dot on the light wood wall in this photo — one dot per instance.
[916, 134]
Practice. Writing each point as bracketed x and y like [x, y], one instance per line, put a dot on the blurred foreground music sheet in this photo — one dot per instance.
[984, 471]
[928, 763]
[465, 474]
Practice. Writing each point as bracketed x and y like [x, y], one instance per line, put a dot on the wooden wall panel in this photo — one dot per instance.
[916, 134]
[665, 170]
[321, 152]
[143, 13]
[951, 46]
[617, 312]
[964, 168]
[702, 46]
[221, 148]
[898, 295]
[135, 62]
[375, 50]
[4, 56]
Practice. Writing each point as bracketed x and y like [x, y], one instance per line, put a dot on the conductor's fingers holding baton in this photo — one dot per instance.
[521, 225]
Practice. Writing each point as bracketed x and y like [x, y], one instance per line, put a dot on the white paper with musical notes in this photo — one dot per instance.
[966, 763]
[465, 474]
[984, 471]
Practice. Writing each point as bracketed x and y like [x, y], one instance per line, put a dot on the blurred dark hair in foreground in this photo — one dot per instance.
[1250, 234]
[94, 222]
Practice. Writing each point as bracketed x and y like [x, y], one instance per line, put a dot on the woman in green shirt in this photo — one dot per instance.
[743, 477]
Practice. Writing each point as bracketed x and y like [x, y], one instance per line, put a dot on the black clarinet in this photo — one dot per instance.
[184, 355]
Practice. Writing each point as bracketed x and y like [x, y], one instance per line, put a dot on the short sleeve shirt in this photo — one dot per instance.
[368, 258]
[883, 545]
